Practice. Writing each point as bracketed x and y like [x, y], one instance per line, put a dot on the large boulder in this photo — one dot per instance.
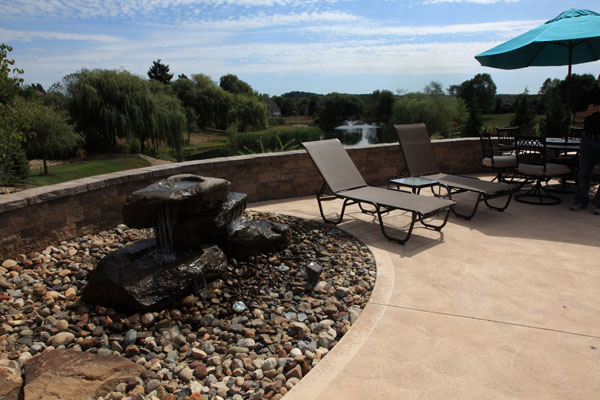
[252, 237]
[180, 195]
[72, 374]
[10, 380]
[138, 279]
[210, 225]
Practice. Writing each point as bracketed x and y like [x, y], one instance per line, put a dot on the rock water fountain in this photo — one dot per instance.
[197, 224]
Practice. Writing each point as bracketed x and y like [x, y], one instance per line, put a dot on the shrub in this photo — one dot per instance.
[16, 167]
[274, 139]
[276, 121]
[440, 113]
[134, 146]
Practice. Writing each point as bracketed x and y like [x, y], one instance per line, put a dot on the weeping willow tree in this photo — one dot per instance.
[247, 114]
[108, 105]
[216, 107]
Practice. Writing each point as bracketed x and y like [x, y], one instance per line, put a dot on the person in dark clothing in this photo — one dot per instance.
[589, 150]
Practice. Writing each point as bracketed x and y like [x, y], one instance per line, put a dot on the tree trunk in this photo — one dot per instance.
[45, 167]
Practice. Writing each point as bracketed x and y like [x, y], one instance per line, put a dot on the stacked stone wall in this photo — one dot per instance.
[33, 219]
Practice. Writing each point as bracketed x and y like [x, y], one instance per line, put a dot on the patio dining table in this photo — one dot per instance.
[568, 144]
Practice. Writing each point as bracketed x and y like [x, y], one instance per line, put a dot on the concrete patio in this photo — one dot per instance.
[505, 306]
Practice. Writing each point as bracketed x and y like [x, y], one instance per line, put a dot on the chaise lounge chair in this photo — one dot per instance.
[420, 161]
[342, 180]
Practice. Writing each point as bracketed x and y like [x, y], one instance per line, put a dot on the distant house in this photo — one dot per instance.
[274, 109]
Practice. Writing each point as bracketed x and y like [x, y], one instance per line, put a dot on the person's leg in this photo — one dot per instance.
[586, 164]
[596, 161]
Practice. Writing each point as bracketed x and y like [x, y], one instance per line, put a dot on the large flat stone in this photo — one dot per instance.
[176, 197]
[72, 374]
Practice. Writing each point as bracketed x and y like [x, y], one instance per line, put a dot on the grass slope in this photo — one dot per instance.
[82, 169]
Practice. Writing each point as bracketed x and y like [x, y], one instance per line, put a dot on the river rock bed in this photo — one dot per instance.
[203, 347]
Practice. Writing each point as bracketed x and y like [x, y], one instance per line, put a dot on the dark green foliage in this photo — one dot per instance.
[276, 121]
[298, 95]
[556, 123]
[230, 83]
[297, 103]
[214, 107]
[442, 114]
[247, 114]
[524, 116]
[580, 85]
[48, 134]
[15, 169]
[287, 106]
[335, 108]
[160, 72]
[11, 119]
[109, 104]
[275, 139]
[378, 107]
[474, 122]
[481, 87]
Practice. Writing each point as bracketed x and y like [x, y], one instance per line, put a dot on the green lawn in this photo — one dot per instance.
[82, 169]
[491, 121]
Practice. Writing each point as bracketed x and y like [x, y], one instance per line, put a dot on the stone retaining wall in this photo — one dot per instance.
[35, 218]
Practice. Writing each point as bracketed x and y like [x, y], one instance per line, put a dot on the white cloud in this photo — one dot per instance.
[470, 1]
[84, 9]
[502, 28]
[28, 36]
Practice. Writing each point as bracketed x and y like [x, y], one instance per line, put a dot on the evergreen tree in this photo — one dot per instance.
[474, 122]
[160, 72]
[524, 116]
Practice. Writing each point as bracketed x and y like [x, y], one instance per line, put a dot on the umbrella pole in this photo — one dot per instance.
[569, 87]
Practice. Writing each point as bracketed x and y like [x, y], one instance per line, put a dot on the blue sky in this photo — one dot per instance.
[277, 46]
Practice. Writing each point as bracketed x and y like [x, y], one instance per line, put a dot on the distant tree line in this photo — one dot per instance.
[30, 123]
[107, 111]
[457, 111]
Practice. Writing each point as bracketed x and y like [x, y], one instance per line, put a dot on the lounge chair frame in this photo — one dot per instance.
[378, 209]
[420, 161]
[354, 190]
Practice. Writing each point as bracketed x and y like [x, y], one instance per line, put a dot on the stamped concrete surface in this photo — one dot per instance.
[505, 306]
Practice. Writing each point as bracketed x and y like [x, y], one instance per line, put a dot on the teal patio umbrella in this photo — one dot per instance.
[571, 38]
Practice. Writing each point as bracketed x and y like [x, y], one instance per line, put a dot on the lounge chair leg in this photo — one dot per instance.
[436, 227]
[499, 208]
[325, 219]
[391, 238]
[465, 216]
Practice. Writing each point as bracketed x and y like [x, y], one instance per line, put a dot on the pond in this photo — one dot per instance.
[358, 133]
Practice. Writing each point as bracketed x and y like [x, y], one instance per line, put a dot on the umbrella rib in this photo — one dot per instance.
[592, 50]
[534, 56]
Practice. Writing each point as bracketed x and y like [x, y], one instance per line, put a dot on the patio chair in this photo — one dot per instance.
[420, 161]
[504, 164]
[342, 180]
[532, 162]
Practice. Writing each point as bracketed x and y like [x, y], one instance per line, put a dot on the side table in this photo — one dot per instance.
[413, 182]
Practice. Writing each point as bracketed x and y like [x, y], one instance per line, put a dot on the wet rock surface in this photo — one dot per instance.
[190, 194]
[137, 279]
[248, 238]
[199, 347]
